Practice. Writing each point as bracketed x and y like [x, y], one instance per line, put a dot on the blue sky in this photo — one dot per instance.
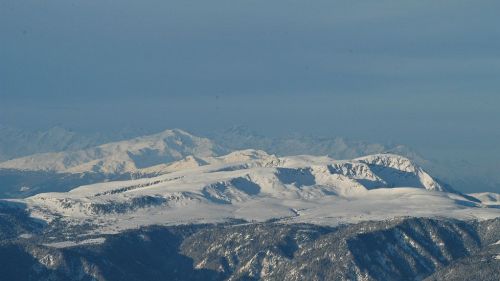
[422, 73]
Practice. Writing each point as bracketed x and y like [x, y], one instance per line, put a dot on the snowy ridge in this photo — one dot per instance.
[120, 157]
[253, 185]
[85, 157]
[487, 198]
[399, 170]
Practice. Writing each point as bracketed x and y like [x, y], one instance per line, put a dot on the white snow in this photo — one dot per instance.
[67, 244]
[120, 157]
[487, 198]
[254, 186]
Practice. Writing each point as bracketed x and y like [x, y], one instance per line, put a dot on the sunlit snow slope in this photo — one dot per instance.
[254, 186]
[120, 157]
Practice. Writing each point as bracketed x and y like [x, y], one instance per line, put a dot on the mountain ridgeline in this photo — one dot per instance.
[60, 160]
[173, 206]
[122, 160]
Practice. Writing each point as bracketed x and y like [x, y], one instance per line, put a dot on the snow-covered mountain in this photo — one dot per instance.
[241, 137]
[76, 153]
[377, 217]
[462, 174]
[119, 157]
[254, 186]
[16, 143]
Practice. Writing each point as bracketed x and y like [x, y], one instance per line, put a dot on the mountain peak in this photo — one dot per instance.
[122, 156]
[388, 163]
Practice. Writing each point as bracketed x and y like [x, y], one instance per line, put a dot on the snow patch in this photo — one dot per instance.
[67, 244]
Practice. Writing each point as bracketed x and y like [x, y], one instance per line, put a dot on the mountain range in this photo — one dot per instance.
[251, 185]
[17, 143]
[191, 208]
[119, 157]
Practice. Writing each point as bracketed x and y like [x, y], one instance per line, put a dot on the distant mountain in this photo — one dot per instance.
[252, 185]
[249, 215]
[241, 137]
[16, 143]
[70, 165]
[122, 160]
[195, 214]
[119, 157]
[462, 175]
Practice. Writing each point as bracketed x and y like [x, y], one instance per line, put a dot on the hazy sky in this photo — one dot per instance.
[422, 73]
